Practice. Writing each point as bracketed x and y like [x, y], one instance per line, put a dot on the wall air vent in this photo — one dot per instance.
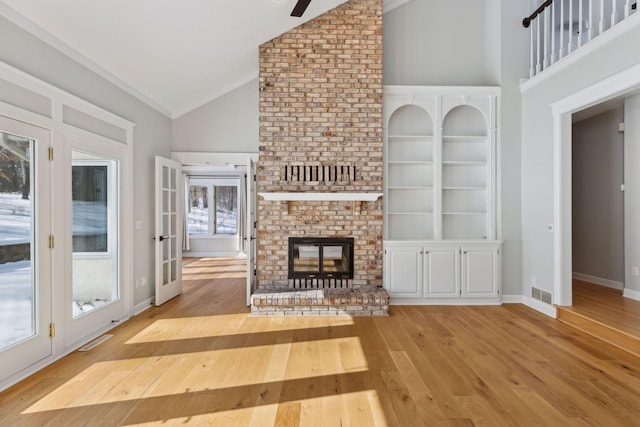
[541, 295]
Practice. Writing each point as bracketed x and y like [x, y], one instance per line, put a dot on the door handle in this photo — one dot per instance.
[161, 238]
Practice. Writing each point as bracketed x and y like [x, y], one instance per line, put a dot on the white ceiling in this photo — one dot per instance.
[176, 55]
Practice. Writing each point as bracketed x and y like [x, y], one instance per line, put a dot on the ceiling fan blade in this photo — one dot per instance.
[300, 7]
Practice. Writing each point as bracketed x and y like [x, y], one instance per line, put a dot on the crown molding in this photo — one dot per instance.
[35, 30]
[389, 5]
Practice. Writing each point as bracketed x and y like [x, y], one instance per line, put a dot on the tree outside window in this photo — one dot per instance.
[222, 218]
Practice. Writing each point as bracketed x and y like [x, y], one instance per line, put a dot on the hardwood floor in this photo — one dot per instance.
[604, 313]
[200, 359]
[606, 305]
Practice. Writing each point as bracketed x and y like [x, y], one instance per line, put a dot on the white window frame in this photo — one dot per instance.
[112, 208]
[211, 183]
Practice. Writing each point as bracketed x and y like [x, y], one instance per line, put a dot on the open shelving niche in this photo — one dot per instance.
[440, 168]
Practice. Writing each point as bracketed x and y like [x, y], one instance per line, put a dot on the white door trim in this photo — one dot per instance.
[618, 85]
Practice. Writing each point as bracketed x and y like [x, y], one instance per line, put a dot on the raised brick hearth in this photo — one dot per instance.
[364, 301]
[321, 132]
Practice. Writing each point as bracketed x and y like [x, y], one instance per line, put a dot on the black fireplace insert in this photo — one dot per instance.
[320, 258]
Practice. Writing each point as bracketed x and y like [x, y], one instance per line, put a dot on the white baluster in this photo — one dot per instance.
[601, 26]
[614, 12]
[561, 49]
[590, 21]
[538, 37]
[570, 43]
[545, 60]
[580, 26]
[531, 60]
[553, 33]
[627, 8]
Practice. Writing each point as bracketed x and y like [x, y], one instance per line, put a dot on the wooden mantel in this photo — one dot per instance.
[299, 196]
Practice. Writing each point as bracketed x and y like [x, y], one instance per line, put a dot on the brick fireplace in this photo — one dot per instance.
[321, 132]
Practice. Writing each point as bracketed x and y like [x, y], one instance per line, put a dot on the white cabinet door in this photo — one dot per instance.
[441, 272]
[403, 271]
[480, 276]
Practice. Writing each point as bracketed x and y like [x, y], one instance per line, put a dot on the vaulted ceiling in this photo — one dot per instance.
[175, 55]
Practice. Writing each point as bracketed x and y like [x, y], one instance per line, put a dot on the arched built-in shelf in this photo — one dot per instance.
[409, 154]
[465, 173]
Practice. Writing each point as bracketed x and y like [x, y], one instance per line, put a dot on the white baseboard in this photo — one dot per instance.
[27, 372]
[512, 299]
[142, 306]
[14, 379]
[540, 306]
[599, 281]
[631, 293]
[444, 301]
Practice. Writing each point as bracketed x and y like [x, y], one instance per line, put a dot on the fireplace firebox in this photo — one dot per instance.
[320, 258]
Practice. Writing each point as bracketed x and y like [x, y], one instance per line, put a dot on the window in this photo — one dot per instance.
[198, 209]
[90, 184]
[213, 207]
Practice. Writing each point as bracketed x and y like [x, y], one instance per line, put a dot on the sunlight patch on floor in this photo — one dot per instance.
[346, 409]
[229, 324]
[361, 409]
[244, 367]
[218, 274]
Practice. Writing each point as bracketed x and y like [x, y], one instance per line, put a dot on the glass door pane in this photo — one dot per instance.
[94, 232]
[17, 240]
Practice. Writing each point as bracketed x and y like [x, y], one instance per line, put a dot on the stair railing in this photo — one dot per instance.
[558, 28]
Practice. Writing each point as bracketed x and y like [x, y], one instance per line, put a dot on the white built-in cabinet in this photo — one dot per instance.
[440, 227]
[442, 272]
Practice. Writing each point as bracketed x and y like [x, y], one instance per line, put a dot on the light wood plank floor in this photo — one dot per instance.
[200, 359]
[606, 305]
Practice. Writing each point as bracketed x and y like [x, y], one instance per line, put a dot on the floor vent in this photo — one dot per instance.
[94, 343]
[541, 295]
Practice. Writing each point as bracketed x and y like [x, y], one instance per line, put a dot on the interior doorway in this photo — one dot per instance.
[597, 195]
[624, 86]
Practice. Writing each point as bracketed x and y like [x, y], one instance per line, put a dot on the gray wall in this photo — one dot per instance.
[426, 42]
[537, 147]
[632, 190]
[435, 42]
[228, 124]
[463, 42]
[598, 203]
[512, 67]
[152, 132]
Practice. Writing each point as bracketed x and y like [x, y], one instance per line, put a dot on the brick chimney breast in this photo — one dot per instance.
[321, 131]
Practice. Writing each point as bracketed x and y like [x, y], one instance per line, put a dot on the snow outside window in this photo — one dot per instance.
[213, 208]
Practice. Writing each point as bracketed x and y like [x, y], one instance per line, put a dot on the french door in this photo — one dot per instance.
[95, 293]
[251, 250]
[25, 257]
[169, 229]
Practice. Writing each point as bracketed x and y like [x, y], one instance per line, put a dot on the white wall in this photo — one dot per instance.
[152, 132]
[538, 148]
[228, 124]
[598, 203]
[632, 191]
